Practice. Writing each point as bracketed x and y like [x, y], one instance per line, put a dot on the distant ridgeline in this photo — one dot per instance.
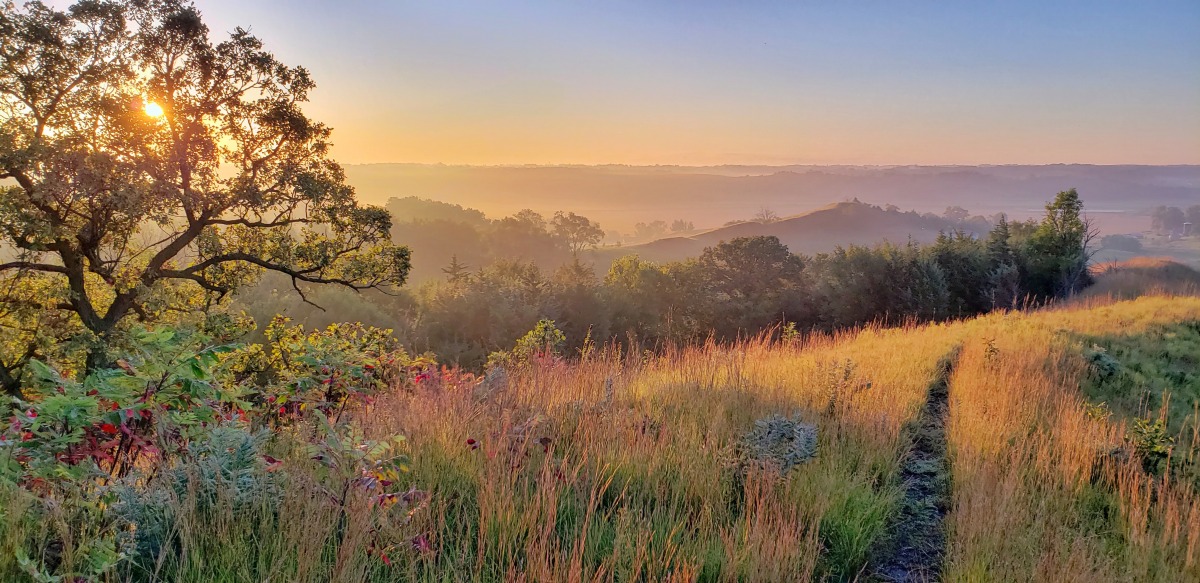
[488, 282]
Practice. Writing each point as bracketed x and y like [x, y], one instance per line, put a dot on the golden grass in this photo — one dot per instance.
[637, 482]
[1042, 491]
[625, 467]
[1143, 276]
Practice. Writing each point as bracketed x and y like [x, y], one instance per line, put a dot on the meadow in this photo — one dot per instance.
[692, 465]
[980, 407]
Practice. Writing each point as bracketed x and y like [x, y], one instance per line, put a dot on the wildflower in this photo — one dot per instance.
[31, 414]
[471, 443]
[108, 428]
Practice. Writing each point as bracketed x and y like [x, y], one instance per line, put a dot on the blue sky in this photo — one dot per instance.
[749, 82]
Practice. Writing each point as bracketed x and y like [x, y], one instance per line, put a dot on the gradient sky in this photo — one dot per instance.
[699, 82]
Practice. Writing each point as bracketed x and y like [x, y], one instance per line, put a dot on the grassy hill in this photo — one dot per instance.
[821, 230]
[1018, 446]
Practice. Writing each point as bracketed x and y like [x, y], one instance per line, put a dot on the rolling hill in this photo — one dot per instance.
[821, 230]
[619, 196]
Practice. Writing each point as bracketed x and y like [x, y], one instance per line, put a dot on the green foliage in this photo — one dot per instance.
[789, 334]
[116, 213]
[109, 461]
[544, 339]
[1151, 380]
[544, 342]
[578, 231]
[225, 471]
[1102, 364]
[1056, 254]
[1152, 443]
[296, 371]
[104, 423]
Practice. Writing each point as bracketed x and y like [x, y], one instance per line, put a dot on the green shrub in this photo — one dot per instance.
[1152, 443]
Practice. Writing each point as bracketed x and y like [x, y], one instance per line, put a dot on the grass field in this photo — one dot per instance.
[639, 467]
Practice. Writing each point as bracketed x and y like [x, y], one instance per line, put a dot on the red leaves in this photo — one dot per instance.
[108, 428]
[273, 464]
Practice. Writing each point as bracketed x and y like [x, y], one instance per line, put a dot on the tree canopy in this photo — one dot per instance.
[155, 170]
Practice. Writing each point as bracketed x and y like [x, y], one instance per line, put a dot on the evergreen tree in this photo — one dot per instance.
[456, 271]
[1058, 252]
[998, 249]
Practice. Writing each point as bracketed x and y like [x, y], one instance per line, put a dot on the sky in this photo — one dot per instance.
[704, 82]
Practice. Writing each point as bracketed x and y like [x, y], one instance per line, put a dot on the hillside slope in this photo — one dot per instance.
[839, 224]
[1018, 446]
[667, 468]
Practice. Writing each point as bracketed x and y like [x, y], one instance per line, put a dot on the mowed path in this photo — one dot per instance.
[917, 545]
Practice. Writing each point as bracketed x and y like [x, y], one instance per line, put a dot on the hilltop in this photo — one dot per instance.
[838, 224]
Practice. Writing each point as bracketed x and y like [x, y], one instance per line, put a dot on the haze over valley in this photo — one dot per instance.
[398, 291]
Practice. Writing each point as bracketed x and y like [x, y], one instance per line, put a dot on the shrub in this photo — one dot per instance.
[225, 471]
[779, 442]
[1101, 363]
[1152, 444]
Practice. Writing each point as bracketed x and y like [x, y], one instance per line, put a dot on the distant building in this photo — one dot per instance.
[1187, 229]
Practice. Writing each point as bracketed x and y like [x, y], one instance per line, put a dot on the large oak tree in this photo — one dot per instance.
[146, 164]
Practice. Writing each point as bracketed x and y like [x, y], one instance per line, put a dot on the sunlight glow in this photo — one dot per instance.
[153, 109]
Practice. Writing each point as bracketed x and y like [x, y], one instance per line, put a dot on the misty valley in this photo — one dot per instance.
[621, 292]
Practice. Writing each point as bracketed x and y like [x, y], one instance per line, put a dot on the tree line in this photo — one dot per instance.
[1170, 220]
[739, 287]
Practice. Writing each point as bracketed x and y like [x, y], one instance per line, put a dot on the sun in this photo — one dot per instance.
[153, 109]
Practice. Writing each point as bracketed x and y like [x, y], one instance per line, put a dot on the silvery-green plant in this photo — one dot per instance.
[780, 442]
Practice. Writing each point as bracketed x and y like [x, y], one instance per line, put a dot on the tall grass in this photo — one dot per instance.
[617, 469]
[1042, 490]
[629, 467]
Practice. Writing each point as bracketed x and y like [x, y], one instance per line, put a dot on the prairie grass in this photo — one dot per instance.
[628, 467]
[1043, 490]
[618, 469]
